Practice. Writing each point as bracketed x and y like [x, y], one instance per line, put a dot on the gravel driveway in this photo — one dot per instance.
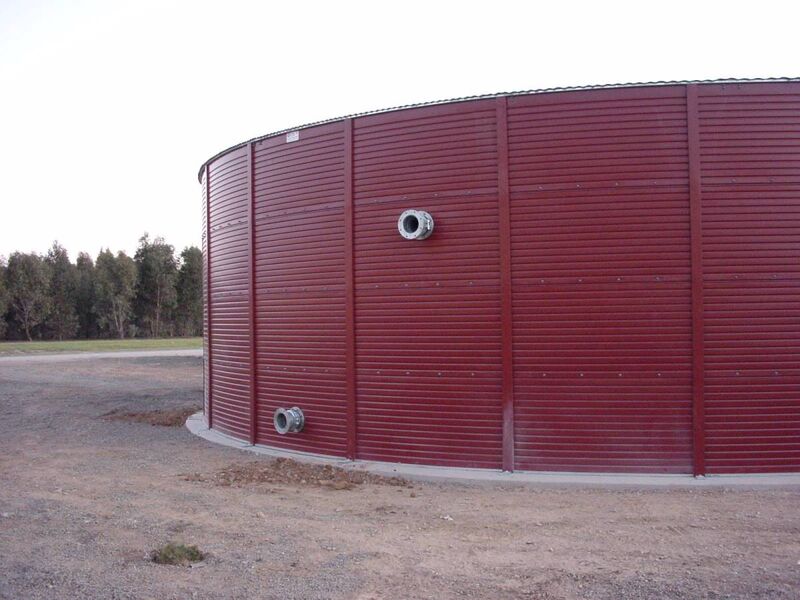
[88, 489]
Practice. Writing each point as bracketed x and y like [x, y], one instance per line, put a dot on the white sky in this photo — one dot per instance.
[107, 109]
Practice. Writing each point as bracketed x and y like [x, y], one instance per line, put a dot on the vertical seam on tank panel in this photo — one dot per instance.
[696, 219]
[349, 257]
[252, 302]
[506, 312]
[208, 293]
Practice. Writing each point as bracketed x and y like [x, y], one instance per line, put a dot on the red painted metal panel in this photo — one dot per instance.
[350, 308]
[750, 157]
[251, 260]
[207, 395]
[507, 315]
[428, 312]
[300, 287]
[600, 264]
[228, 293]
[698, 334]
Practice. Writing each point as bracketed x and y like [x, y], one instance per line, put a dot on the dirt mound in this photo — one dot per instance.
[292, 472]
[163, 418]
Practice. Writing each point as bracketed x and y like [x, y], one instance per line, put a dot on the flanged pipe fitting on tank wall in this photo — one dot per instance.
[289, 420]
[415, 224]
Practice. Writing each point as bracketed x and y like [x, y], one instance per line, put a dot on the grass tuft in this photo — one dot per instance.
[176, 554]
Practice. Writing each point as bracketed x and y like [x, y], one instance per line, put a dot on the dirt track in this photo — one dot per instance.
[85, 496]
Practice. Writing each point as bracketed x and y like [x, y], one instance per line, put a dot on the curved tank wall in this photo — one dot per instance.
[612, 283]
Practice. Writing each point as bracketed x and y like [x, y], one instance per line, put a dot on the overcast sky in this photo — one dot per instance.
[107, 109]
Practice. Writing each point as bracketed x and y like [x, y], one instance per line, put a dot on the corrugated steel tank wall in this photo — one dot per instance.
[613, 282]
[299, 287]
[749, 147]
[601, 267]
[227, 264]
[428, 313]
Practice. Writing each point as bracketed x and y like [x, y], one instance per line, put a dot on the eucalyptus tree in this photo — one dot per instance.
[115, 289]
[28, 281]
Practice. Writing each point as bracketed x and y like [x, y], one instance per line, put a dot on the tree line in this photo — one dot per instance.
[153, 294]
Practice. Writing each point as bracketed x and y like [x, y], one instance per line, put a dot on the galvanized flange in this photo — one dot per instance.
[415, 224]
[289, 420]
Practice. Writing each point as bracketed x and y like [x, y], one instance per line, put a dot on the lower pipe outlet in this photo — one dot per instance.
[289, 420]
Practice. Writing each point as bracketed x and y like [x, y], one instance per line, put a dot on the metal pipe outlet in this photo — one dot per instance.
[289, 420]
[415, 224]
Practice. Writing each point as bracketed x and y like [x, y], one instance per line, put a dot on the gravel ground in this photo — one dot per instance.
[85, 498]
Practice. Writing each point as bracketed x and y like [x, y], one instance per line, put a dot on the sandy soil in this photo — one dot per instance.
[85, 498]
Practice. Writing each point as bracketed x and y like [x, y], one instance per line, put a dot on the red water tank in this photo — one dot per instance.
[610, 282]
